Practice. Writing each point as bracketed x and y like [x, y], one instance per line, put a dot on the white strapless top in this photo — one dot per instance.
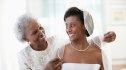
[77, 66]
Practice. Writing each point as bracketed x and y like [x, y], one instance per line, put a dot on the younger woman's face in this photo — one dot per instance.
[74, 28]
[35, 33]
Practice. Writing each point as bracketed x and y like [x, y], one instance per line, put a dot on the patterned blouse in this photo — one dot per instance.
[30, 59]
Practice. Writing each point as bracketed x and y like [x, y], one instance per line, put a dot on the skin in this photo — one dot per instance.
[76, 33]
[54, 64]
[34, 33]
[109, 36]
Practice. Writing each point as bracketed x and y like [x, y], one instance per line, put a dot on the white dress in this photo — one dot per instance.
[78, 66]
[30, 59]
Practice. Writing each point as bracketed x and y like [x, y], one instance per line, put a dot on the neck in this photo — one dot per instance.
[40, 47]
[80, 44]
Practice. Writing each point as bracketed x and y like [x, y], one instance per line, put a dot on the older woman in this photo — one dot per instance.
[40, 49]
[80, 54]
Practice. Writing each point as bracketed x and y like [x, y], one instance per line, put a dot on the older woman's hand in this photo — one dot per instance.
[54, 64]
[109, 36]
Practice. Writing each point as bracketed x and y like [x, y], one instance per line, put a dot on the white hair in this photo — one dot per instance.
[21, 24]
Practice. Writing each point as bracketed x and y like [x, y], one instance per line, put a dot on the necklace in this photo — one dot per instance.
[78, 49]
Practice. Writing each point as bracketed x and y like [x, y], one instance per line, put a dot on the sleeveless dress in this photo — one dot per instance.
[76, 66]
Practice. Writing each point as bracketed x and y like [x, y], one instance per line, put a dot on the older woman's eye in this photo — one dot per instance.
[40, 28]
[34, 32]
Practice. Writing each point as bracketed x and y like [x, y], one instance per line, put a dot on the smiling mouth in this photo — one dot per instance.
[42, 37]
[70, 35]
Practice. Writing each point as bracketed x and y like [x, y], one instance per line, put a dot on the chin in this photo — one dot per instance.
[72, 39]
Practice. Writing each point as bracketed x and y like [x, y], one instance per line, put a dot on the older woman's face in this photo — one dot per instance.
[74, 28]
[34, 33]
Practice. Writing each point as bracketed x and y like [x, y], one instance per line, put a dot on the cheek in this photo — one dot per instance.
[31, 38]
[34, 37]
[27, 37]
[80, 31]
[75, 29]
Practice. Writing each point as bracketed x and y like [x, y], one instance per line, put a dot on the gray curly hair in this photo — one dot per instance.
[21, 24]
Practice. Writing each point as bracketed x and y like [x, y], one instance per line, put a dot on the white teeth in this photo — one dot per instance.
[41, 38]
[71, 35]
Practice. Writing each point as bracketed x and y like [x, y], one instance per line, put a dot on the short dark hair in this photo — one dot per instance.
[74, 11]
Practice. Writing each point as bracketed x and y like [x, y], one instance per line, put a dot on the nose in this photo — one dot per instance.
[41, 32]
[68, 29]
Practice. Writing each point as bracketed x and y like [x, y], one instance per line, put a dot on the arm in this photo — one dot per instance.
[102, 67]
[107, 38]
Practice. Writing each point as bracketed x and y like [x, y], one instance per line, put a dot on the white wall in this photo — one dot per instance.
[2, 60]
[35, 7]
[115, 17]
[11, 9]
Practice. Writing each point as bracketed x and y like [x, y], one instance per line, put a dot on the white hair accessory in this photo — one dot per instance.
[89, 25]
[88, 22]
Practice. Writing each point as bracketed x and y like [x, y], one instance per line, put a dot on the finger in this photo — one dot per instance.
[107, 35]
[110, 36]
[108, 39]
[113, 38]
[111, 33]
[58, 64]
[59, 68]
[55, 60]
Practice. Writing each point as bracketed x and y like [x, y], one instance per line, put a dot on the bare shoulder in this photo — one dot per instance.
[60, 52]
[96, 51]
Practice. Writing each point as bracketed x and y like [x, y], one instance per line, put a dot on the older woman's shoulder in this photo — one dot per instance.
[24, 52]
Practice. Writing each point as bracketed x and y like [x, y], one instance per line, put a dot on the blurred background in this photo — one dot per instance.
[108, 15]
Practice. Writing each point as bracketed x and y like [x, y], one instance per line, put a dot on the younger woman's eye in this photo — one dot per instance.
[72, 25]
